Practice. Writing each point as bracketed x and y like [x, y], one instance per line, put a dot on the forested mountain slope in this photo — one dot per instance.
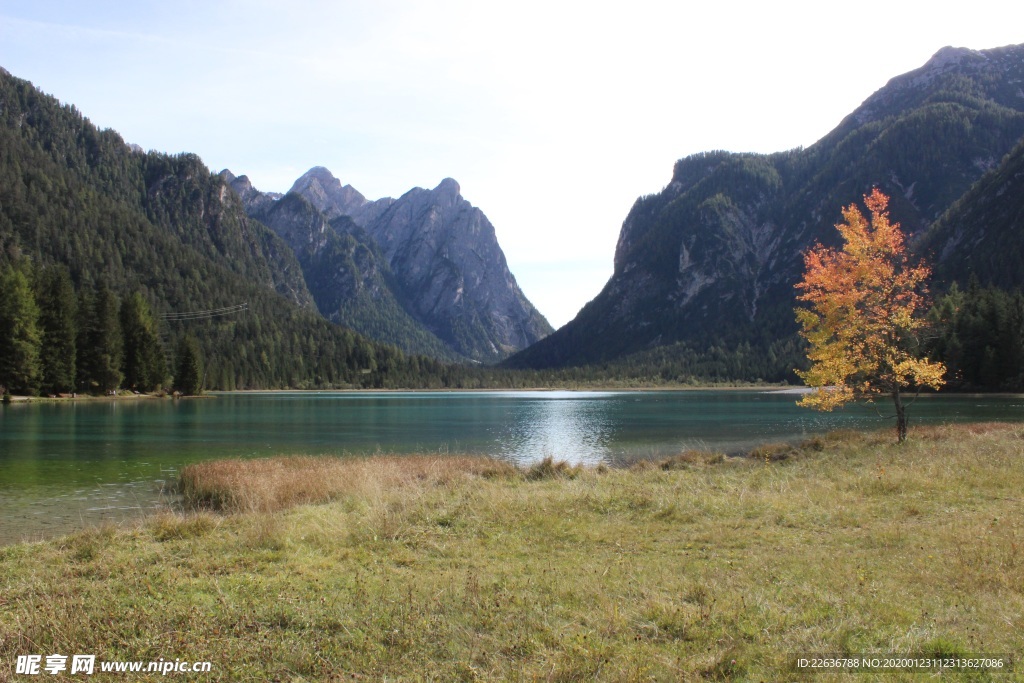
[982, 234]
[709, 263]
[166, 227]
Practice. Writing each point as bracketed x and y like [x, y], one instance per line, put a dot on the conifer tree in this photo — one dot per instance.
[143, 362]
[100, 344]
[59, 327]
[19, 334]
[979, 335]
[188, 375]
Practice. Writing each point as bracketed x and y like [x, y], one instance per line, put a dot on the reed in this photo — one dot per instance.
[272, 484]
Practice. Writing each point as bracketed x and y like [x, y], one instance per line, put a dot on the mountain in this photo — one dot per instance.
[424, 271]
[709, 263]
[348, 276]
[453, 275]
[319, 186]
[75, 196]
[982, 234]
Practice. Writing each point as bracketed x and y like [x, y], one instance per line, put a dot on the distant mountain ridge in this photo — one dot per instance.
[345, 272]
[710, 261]
[164, 227]
[424, 271]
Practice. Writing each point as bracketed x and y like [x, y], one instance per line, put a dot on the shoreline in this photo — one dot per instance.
[576, 389]
[19, 399]
[213, 393]
[696, 567]
[761, 388]
[123, 396]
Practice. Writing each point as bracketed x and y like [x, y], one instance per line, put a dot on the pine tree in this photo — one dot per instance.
[20, 338]
[143, 362]
[980, 337]
[59, 327]
[100, 344]
[188, 375]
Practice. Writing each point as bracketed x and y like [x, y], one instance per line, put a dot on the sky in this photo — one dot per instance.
[553, 116]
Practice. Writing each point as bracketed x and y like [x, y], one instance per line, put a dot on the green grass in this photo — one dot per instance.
[700, 567]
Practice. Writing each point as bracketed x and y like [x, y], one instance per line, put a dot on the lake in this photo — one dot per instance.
[67, 465]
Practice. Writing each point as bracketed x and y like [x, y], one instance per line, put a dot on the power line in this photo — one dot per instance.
[202, 315]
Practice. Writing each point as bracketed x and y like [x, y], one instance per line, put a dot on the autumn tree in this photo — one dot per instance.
[864, 321]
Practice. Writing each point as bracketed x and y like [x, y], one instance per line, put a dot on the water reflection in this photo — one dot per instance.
[577, 430]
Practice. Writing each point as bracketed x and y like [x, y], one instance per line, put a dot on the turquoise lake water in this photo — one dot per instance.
[67, 465]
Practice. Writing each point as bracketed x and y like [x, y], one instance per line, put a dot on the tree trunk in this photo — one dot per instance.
[901, 417]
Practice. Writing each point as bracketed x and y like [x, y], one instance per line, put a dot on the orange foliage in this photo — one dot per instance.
[863, 322]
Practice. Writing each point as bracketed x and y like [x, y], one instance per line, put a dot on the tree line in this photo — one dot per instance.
[978, 332]
[55, 339]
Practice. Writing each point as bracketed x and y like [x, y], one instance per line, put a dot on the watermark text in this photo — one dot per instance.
[42, 665]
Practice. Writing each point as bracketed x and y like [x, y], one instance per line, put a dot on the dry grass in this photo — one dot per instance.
[272, 484]
[549, 468]
[688, 459]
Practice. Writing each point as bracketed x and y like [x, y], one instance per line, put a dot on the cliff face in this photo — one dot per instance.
[424, 272]
[711, 260]
[453, 275]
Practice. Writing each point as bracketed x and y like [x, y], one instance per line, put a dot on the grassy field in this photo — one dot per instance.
[701, 567]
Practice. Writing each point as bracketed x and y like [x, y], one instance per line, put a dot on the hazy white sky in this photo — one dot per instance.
[553, 116]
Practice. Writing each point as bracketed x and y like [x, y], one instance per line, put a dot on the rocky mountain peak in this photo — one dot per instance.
[449, 187]
[240, 184]
[446, 196]
[424, 271]
[994, 74]
[252, 199]
[327, 194]
[321, 173]
[949, 55]
[452, 274]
